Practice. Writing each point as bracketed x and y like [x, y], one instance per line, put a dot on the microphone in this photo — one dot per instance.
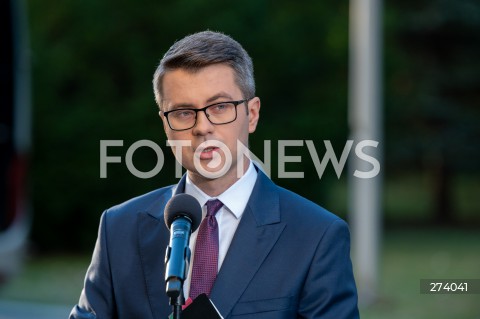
[182, 217]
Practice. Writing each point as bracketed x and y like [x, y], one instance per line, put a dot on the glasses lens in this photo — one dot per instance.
[221, 113]
[181, 119]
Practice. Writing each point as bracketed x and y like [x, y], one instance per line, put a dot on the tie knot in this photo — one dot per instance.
[213, 206]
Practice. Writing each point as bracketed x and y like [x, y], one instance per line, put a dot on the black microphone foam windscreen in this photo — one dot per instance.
[183, 205]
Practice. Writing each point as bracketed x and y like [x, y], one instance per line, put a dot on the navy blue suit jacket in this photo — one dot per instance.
[289, 258]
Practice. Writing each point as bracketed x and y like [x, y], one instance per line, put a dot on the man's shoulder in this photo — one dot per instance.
[301, 214]
[148, 202]
[301, 207]
[292, 206]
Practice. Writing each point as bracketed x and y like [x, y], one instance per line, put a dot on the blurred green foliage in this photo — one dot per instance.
[93, 63]
[433, 94]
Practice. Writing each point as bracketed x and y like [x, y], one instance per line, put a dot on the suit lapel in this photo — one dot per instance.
[153, 239]
[256, 235]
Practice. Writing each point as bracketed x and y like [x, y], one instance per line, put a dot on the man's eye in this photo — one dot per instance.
[219, 108]
[182, 114]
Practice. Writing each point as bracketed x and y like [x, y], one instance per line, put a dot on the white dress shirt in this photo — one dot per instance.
[234, 201]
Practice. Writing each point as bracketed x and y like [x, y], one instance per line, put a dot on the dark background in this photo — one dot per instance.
[93, 63]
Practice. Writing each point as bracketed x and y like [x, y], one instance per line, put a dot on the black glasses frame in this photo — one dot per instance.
[204, 110]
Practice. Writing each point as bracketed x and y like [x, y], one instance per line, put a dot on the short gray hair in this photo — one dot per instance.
[202, 49]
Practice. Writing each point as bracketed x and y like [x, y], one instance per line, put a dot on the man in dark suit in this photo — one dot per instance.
[277, 254]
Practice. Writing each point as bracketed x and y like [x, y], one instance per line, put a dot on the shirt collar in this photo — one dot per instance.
[235, 198]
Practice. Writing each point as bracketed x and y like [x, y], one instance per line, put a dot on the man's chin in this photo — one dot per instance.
[207, 173]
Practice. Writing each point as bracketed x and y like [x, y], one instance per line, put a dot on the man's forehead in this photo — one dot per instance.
[220, 96]
[206, 85]
[216, 69]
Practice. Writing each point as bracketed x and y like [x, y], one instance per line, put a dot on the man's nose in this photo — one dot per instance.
[203, 125]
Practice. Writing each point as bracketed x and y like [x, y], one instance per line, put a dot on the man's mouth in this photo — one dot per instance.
[209, 149]
[207, 152]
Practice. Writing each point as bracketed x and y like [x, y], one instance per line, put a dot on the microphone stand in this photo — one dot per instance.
[177, 307]
[177, 300]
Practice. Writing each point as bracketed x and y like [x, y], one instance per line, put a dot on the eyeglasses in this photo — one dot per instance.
[217, 113]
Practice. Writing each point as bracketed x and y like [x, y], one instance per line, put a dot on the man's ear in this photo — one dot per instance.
[253, 114]
[164, 120]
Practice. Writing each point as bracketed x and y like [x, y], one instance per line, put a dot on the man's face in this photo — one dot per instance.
[209, 85]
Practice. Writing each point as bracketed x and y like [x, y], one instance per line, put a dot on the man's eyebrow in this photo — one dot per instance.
[182, 106]
[221, 95]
